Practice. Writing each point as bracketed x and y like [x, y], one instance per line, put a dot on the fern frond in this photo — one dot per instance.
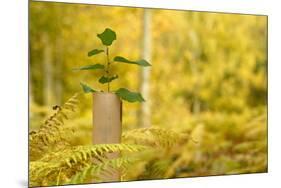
[58, 167]
[40, 172]
[155, 168]
[93, 172]
[83, 153]
[154, 136]
[52, 132]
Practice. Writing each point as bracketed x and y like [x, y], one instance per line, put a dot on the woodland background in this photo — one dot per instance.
[208, 79]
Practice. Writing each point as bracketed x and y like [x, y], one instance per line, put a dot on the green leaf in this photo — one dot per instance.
[141, 62]
[129, 96]
[107, 37]
[91, 67]
[86, 88]
[105, 79]
[94, 52]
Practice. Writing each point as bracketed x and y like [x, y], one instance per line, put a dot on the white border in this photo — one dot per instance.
[13, 83]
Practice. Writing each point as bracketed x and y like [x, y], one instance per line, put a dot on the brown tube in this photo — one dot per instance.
[107, 117]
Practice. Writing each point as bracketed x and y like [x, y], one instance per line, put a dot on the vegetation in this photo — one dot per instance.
[55, 161]
[107, 38]
[208, 93]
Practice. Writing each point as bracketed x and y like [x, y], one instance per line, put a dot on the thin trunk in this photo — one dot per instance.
[196, 107]
[59, 72]
[196, 102]
[30, 95]
[145, 114]
[47, 71]
[31, 98]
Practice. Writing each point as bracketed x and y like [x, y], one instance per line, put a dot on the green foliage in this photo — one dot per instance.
[104, 79]
[141, 62]
[91, 67]
[107, 37]
[129, 96]
[86, 88]
[94, 52]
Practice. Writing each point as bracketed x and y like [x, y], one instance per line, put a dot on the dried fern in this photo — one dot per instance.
[106, 167]
[83, 153]
[162, 138]
[63, 167]
[51, 133]
[54, 161]
[163, 141]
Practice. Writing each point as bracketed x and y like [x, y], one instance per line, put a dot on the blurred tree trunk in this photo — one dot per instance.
[144, 113]
[196, 102]
[47, 70]
[58, 66]
[196, 106]
[30, 93]
[58, 69]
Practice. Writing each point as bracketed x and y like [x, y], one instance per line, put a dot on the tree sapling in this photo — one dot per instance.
[107, 37]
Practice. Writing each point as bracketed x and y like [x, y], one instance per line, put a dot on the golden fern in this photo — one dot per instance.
[50, 133]
[106, 167]
[155, 162]
[154, 136]
[63, 167]
[55, 162]
[76, 164]
[83, 153]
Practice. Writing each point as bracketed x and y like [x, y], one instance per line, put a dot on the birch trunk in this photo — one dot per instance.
[59, 72]
[144, 119]
[47, 71]
[196, 107]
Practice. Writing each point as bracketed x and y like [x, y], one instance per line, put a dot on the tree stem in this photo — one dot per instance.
[107, 69]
